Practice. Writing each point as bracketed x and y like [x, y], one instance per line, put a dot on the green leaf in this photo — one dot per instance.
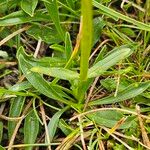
[1, 130]
[128, 32]
[65, 128]
[110, 84]
[110, 12]
[71, 3]
[53, 124]
[117, 55]
[68, 46]
[2, 148]
[60, 73]
[15, 111]
[109, 118]
[29, 6]
[7, 94]
[21, 86]
[98, 25]
[53, 11]
[46, 34]
[57, 47]
[49, 62]
[130, 92]
[37, 80]
[31, 129]
[20, 17]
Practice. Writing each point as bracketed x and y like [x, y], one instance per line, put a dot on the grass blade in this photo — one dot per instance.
[115, 14]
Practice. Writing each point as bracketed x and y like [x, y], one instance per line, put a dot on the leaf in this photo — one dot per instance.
[46, 34]
[15, 111]
[2, 148]
[31, 129]
[128, 32]
[68, 46]
[60, 73]
[110, 12]
[57, 47]
[37, 80]
[65, 128]
[29, 6]
[130, 92]
[21, 86]
[3, 54]
[7, 94]
[49, 62]
[98, 25]
[110, 84]
[117, 55]
[109, 118]
[53, 124]
[52, 9]
[71, 3]
[1, 130]
[20, 17]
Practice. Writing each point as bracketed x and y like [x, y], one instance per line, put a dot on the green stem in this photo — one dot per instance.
[86, 44]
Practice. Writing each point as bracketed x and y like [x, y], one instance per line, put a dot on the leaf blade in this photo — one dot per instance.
[130, 92]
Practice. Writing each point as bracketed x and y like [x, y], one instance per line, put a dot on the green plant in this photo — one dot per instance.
[74, 80]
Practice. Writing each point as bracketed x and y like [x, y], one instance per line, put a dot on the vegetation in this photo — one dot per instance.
[75, 74]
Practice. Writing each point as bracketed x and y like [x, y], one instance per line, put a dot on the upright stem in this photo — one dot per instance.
[86, 44]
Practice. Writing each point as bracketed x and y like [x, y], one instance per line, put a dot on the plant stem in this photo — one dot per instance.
[86, 44]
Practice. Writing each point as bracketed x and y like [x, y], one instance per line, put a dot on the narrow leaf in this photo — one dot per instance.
[130, 92]
[53, 124]
[1, 130]
[109, 118]
[20, 17]
[116, 56]
[52, 9]
[60, 73]
[15, 111]
[68, 46]
[110, 12]
[37, 80]
[31, 129]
